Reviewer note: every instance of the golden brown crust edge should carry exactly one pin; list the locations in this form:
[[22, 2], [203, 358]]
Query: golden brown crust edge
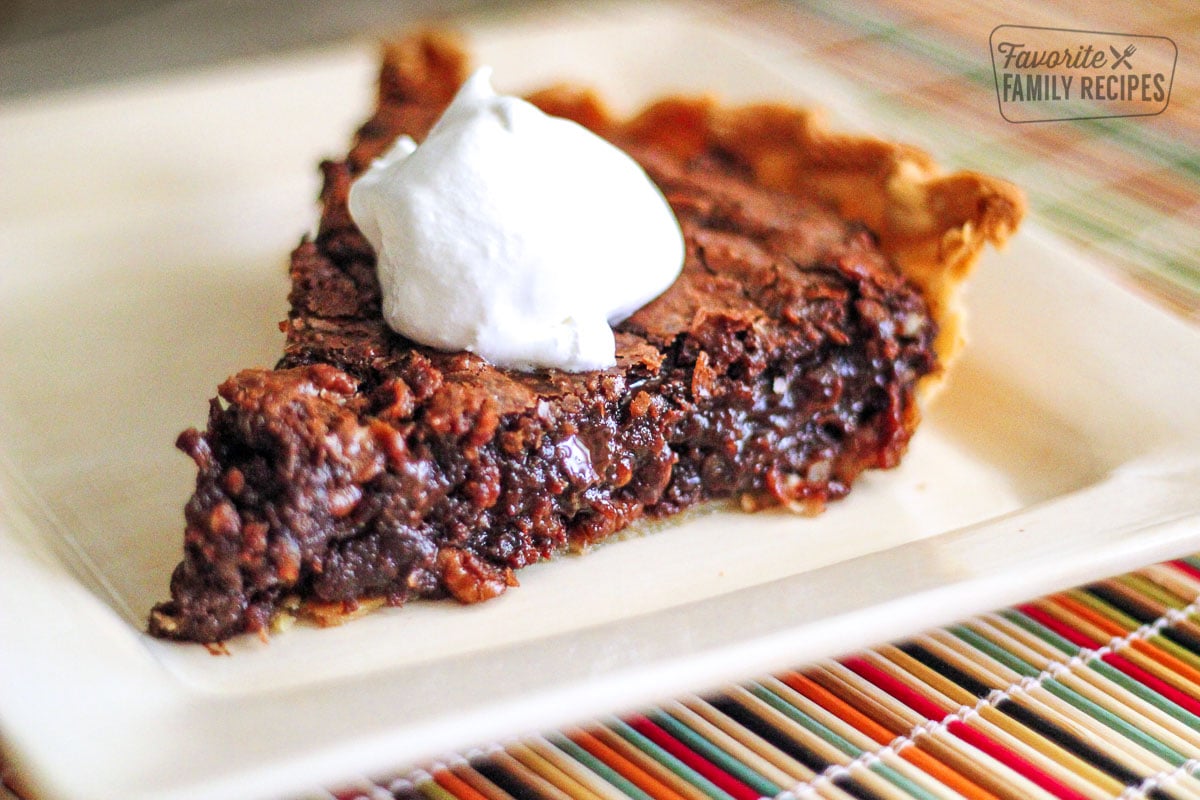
[[933, 224]]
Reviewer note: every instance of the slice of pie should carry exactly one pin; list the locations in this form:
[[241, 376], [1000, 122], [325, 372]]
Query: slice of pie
[[816, 308]]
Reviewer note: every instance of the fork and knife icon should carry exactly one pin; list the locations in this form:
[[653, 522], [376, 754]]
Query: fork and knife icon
[[1122, 58]]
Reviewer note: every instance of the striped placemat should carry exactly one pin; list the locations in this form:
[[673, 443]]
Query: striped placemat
[[1093, 692], [1090, 693]]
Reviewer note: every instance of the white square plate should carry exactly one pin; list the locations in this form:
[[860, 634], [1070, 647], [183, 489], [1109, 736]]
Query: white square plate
[[144, 232]]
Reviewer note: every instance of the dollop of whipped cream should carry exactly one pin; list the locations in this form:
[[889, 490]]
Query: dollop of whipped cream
[[515, 235]]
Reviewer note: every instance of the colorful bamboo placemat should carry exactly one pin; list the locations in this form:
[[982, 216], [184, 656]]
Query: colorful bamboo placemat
[[1090, 693]]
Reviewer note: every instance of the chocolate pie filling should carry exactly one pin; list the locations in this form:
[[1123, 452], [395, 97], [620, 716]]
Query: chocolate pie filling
[[781, 364]]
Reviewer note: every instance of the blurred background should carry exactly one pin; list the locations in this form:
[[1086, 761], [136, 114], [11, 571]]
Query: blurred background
[[58, 44]]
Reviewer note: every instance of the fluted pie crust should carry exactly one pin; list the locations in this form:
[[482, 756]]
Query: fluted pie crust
[[817, 308]]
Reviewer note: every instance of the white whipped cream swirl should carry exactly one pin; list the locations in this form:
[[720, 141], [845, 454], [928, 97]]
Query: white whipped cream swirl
[[515, 235]]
